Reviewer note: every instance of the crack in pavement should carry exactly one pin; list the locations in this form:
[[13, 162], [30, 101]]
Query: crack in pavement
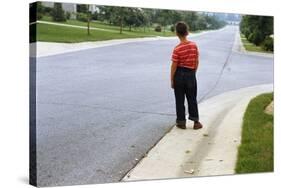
[[220, 74]]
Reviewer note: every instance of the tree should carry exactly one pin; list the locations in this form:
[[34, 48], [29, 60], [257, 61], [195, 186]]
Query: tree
[[144, 19], [133, 18], [139, 17], [201, 23], [84, 14], [175, 16], [164, 18], [121, 13], [82, 8], [256, 28], [88, 19], [40, 11], [58, 13], [115, 15], [190, 18], [214, 22]]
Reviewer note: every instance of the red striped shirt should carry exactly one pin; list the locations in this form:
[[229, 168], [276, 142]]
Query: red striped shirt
[[186, 55]]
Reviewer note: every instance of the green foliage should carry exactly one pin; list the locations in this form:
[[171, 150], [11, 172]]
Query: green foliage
[[136, 17], [201, 23], [40, 11], [95, 16], [82, 17], [47, 11], [58, 13], [82, 8], [67, 15], [164, 17], [268, 44], [158, 28], [256, 37], [124, 16], [172, 28], [213, 22], [257, 28], [190, 18]]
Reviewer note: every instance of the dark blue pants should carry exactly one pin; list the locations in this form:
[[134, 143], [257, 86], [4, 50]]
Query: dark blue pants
[[185, 86]]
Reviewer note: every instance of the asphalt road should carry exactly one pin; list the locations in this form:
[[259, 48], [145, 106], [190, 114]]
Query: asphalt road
[[100, 110]]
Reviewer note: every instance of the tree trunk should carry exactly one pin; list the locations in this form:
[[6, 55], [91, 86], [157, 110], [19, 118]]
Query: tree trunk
[[121, 25], [88, 24]]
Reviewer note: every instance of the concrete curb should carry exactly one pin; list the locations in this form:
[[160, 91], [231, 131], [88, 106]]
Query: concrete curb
[[209, 151]]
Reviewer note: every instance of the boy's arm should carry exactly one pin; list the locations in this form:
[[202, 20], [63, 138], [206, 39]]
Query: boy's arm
[[173, 71], [197, 64]]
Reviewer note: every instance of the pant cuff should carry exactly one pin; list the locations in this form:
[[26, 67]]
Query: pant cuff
[[181, 122], [193, 118]]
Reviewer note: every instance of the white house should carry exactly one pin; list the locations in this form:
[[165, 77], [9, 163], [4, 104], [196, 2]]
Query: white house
[[69, 7]]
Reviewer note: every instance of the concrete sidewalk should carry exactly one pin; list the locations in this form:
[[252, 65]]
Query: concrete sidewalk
[[209, 151]]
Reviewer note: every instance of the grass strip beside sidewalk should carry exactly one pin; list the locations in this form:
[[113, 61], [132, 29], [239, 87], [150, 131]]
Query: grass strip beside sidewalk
[[252, 47], [255, 153]]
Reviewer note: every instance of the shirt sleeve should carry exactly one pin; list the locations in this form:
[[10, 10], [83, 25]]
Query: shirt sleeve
[[175, 56]]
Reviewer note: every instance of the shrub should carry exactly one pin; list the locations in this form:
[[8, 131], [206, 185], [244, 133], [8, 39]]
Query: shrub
[[39, 13], [256, 37], [95, 16], [39, 16], [47, 11], [172, 28], [58, 13], [268, 44], [158, 28], [67, 15], [82, 17]]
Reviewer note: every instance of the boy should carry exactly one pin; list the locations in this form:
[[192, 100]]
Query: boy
[[183, 78]]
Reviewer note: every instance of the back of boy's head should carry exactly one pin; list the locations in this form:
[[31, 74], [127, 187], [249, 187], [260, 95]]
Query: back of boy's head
[[181, 29]]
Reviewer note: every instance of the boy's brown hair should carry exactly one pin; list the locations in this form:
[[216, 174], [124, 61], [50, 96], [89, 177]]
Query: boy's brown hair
[[182, 29]]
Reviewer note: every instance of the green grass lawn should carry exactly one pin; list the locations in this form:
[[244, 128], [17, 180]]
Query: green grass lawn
[[53, 33], [80, 23], [250, 46], [103, 25], [255, 153]]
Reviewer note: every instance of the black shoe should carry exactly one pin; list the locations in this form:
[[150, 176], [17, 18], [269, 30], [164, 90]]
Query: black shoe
[[181, 126]]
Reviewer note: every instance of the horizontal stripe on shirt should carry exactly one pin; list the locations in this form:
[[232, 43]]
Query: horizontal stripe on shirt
[[186, 54]]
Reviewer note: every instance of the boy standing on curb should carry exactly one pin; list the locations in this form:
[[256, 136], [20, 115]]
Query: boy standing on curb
[[183, 77]]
